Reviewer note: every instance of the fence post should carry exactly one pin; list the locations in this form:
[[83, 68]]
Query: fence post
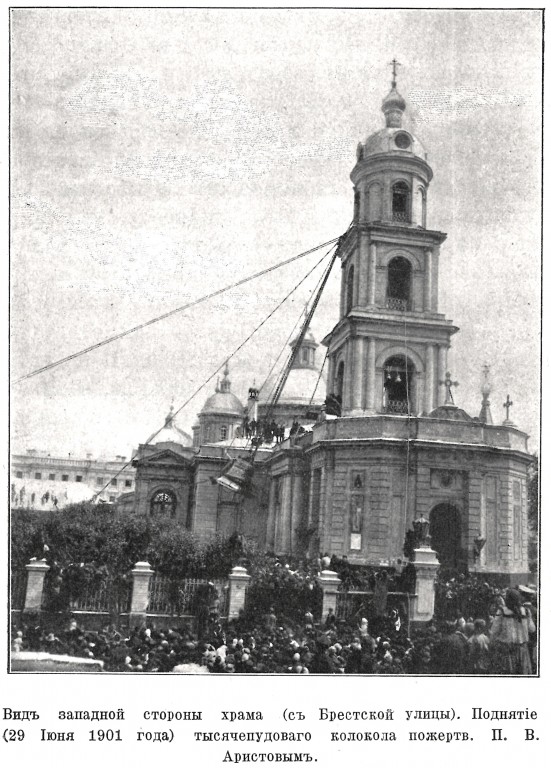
[[141, 576], [329, 582], [239, 581], [36, 572], [426, 565]]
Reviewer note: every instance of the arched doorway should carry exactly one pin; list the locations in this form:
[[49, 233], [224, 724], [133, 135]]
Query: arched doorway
[[445, 533]]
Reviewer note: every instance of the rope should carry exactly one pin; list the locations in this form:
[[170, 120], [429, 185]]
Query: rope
[[157, 319], [218, 369]]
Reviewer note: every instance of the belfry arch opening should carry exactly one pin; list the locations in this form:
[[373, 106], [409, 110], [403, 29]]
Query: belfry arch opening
[[399, 284], [445, 533], [401, 202], [398, 385]]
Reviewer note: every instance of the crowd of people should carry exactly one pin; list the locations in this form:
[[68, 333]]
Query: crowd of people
[[505, 645]]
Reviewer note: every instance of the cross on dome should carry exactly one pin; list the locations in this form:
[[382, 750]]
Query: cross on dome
[[394, 63]]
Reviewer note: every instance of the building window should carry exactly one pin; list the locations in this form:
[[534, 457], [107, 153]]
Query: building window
[[114, 482], [99, 481], [19, 475], [399, 284], [128, 483], [38, 475], [349, 291], [112, 498], [78, 478], [51, 477], [398, 374], [223, 433], [163, 503], [400, 202], [65, 478], [305, 355]]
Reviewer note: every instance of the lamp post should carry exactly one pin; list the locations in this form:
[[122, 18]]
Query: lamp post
[[421, 528]]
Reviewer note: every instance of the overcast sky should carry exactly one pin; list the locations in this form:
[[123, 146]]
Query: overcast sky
[[160, 154]]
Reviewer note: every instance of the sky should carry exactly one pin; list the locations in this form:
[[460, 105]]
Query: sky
[[157, 155]]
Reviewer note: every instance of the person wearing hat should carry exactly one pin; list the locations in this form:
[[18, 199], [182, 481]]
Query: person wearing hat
[[509, 635]]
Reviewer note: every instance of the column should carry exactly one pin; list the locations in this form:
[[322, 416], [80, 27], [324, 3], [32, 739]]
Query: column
[[428, 280], [357, 373], [36, 572], [372, 273], [346, 388], [141, 576], [343, 290], [442, 363], [296, 509], [283, 540], [238, 584], [371, 383], [426, 564], [363, 269], [329, 583], [429, 378]]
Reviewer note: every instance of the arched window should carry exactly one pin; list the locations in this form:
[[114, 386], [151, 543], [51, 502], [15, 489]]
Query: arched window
[[399, 284], [163, 503], [223, 432], [339, 382], [401, 202], [349, 291], [398, 373]]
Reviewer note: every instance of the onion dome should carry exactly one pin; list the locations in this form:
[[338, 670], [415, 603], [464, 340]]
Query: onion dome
[[223, 402], [170, 433], [393, 107]]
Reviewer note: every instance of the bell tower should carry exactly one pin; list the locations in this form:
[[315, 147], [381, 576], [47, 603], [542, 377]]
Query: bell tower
[[388, 351]]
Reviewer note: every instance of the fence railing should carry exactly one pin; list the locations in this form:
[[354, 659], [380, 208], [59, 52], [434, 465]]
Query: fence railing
[[106, 597], [183, 597], [18, 589]]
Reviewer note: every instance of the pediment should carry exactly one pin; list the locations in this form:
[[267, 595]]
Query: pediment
[[165, 457]]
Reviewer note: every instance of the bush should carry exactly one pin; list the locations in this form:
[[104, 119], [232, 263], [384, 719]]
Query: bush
[[290, 592]]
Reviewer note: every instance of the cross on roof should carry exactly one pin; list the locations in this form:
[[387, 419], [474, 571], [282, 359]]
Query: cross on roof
[[394, 63], [507, 404], [448, 383]]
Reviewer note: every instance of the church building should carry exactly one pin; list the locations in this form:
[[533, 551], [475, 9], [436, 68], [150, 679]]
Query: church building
[[399, 449]]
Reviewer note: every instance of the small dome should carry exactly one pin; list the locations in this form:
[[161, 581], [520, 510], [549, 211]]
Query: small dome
[[223, 402], [393, 101], [392, 140], [170, 433], [450, 412]]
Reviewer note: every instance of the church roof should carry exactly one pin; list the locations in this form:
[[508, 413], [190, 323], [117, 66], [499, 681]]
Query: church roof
[[171, 433]]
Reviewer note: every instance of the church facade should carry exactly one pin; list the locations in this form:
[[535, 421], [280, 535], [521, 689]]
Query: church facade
[[399, 449]]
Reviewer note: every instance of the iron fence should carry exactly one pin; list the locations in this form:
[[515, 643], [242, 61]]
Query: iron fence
[[106, 597], [18, 589], [186, 597]]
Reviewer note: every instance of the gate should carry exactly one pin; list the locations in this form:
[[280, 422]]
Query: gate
[[354, 605]]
